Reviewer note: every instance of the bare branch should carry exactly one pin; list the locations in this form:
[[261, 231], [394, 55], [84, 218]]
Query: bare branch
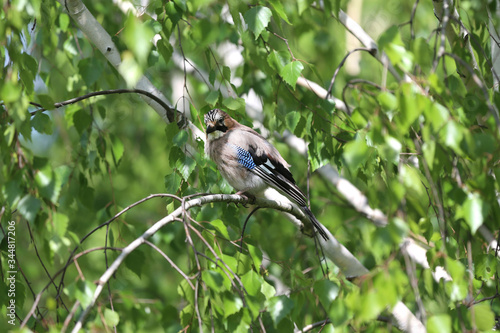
[[329, 91], [171, 263]]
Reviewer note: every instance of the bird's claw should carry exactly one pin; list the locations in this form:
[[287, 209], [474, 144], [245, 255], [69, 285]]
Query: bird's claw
[[248, 197]]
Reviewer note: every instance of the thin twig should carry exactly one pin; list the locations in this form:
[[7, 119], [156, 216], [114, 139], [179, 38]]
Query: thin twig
[[314, 325], [39, 295], [245, 225], [171, 263], [123, 211], [170, 111], [329, 91], [493, 109]]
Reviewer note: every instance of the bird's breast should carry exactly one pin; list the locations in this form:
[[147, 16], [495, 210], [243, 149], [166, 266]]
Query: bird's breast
[[238, 176]]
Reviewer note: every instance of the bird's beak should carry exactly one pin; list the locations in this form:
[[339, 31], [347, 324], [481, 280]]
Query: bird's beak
[[210, 129]]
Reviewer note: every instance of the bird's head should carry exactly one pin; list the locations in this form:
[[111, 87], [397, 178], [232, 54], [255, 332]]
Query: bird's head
[[218, 123]]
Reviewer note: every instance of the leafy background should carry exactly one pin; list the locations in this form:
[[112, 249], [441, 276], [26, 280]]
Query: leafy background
[[422, 150]]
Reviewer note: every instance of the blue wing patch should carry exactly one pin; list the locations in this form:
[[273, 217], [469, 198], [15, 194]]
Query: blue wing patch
[[244, 157]]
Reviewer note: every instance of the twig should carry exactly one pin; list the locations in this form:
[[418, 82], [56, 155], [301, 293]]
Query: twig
[[171, 263], [314, 325], [170, 111], [493, 109], [444, 22], [196, 307], [471, 287], [244, 227], [329, 91], [68, 318], [39, 295], [123, 211], [170, 218]]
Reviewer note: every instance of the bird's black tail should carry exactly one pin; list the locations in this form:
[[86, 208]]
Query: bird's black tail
[[317, 225]]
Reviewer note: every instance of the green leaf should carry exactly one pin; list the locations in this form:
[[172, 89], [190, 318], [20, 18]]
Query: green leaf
[[213, 280], [387, 100], [423, 53], [390, 41], [10, 92], [452, 136], [302, 5], [211, 76], [111, 317], [137, 36], [277, 60], [474, 211], [180, 139], [369, 306], [27, 79], [292, 119], [12, 191], [130, 69], [83, 291], [484, 144], [226, 73], [186, 167], [291, 72], [257, 19], [42, 123], [135, 261], [252, 282], [60, 223], [411, 179], [256, 255], [29, 206], [234, 103], [29, 63], [232, 304], [278, 7], [91, 69], [268, 290], [411, 105], [457, 288], [172, 182], [437, 115], [117, 149], [483, 316], [429, 149], [220, 227], [63, 21], [339, 312], [101, 146], [182, 4], [485, 266], [356, 152], [279, 307], [81, 120], [165, 49], [439, 324], [327, 291], [212, 97]]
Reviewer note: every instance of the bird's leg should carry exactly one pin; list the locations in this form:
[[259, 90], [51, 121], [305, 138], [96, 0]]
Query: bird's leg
[[249, 197]]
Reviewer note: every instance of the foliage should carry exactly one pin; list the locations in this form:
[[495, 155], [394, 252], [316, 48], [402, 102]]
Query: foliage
[[419, 138]]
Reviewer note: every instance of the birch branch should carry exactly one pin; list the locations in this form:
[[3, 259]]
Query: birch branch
[[355, 29], [333, 249], [495, 47], [346, 262], [100, 38]]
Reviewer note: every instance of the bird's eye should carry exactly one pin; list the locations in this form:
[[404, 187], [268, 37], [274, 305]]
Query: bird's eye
[[221, 120]]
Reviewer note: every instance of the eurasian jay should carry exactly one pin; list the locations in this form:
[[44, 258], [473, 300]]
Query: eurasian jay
[[250, 163]]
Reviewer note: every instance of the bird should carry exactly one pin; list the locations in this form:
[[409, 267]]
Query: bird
[[250, 163]]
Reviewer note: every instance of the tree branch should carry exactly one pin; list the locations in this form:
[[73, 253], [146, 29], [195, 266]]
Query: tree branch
[[87, 23]]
